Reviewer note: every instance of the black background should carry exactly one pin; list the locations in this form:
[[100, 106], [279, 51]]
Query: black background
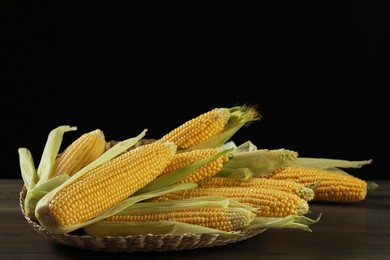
[[316, 72]]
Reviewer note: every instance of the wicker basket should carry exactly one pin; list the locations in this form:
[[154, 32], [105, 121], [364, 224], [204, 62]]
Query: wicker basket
[[137, 243]]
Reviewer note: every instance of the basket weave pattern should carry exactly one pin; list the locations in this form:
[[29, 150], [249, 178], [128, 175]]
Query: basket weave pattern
[[138, 243]]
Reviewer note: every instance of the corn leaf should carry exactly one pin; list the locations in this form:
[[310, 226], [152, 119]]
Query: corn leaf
[[51, 150], [239, 173], [228, 145], [291, 221], [181, 204], [328, 163], [371, 187], [27, 168]]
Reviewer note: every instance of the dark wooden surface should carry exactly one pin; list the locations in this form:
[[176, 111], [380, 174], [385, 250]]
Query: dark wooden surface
[[345, 231]]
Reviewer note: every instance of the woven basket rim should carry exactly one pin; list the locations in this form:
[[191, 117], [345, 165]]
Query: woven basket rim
[[137, 243]]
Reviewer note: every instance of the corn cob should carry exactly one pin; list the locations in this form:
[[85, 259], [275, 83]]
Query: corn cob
[[260, 162], [270, 202], [199, 129], [331, 186], [79, 153], [301, 190], [221, 218], [104, 186], [211, 124], [182, 159]]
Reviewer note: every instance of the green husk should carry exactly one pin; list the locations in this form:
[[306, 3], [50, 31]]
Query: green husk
[[228, 145], [247, 146], [328, 163], [37, 181], [180, 174], [246, 160], [239, 173], [291, 221], [51, 150], [27, 168], [180, 204], [260, 162], [371, 187], [239, 117]]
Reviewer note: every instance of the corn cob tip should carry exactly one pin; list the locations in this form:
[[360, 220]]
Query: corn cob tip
[[98, 132], [248, 113], [171, 146], [43, 216], [199, 129], [240, 217], [302, 207], [224, 114]]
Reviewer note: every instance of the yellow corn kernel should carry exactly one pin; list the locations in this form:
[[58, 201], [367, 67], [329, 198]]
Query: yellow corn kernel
[[284, 154], [182, 159], [108, 184], [79, 153], [331, 186], [301, 190], [221, 218], [270, 202], [199, 129]]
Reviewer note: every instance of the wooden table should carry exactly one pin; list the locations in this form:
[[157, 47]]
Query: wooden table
[[345, 231]]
